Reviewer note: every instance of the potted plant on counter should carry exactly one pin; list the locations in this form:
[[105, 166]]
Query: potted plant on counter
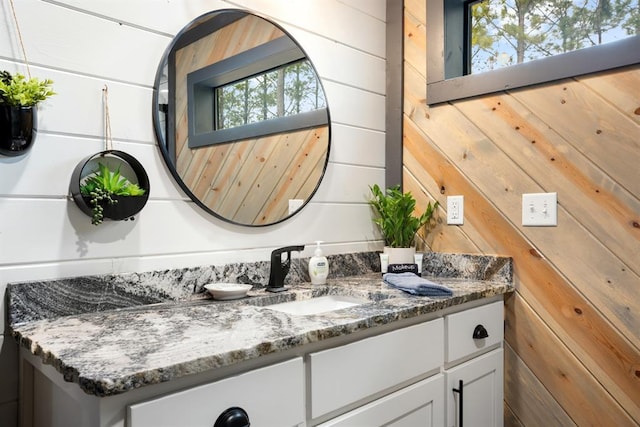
[[394, 212], [111, 195], [18, 99]]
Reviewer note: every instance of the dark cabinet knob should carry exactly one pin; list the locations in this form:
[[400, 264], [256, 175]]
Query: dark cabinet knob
[[480, 332], [233, 417]]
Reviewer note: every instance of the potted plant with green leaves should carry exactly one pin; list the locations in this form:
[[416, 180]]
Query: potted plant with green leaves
[[394, 215], [111, 195], [18, 99]]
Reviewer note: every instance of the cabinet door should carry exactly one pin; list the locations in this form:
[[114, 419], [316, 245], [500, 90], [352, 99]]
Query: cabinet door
[[271, 396], [420, 404], [481, 392]]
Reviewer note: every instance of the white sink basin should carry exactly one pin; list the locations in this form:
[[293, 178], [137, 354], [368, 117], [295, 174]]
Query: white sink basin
[[317, 305]]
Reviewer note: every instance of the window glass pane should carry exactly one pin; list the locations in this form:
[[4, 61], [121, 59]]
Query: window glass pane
[[508, 32], [286, 91]]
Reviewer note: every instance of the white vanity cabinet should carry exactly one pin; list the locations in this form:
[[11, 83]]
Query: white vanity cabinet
[[463, 347], [480, 383], [349, 374], [270, 396], [474, 367]]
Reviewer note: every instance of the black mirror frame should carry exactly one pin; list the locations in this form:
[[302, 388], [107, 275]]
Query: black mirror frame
[[175, 43]]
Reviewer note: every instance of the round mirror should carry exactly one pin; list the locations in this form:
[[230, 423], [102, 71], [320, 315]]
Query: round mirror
[[241, 118]]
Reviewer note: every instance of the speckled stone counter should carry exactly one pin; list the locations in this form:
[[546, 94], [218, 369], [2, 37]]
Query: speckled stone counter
[[139, 332]]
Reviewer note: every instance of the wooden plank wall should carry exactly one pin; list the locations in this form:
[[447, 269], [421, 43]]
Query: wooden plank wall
[[573, 325]]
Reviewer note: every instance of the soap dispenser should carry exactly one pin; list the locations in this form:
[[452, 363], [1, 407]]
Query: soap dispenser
[[318, 266]]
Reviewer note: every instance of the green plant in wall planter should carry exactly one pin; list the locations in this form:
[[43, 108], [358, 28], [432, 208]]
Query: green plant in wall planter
[[18, 91], [394, 215], [18, 99], [106, 188]]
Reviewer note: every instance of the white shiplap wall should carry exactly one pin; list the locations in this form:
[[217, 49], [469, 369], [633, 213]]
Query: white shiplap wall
[[84, 45]]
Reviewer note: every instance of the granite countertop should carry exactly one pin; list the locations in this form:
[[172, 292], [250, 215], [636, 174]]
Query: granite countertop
[[112, 351]]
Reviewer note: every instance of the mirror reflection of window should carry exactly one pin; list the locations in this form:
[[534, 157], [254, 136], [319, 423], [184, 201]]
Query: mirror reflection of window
[[508, 32], [267, 89], [286, 91]]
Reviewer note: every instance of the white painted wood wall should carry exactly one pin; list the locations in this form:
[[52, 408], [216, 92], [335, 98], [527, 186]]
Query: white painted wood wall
[[85, 45]]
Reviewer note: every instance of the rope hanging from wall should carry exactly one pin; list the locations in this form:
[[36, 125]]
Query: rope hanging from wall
[[108, 141], [24, 51]]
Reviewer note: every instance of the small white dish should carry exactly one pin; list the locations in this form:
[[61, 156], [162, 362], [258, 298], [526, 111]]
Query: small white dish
[[227, 291]]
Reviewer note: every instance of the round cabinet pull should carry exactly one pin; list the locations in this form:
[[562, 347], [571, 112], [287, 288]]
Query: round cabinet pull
[[233, 417], [480, 332]]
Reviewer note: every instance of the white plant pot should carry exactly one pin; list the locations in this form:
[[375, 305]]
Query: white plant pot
[[400, 255]]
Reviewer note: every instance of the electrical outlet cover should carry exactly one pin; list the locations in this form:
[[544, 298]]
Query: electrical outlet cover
[[455, 210], [294, 205], [540, 210]]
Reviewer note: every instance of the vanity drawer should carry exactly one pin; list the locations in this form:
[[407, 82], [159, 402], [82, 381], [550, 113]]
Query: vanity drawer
[[343, 375], [258, 392], [460, 328]]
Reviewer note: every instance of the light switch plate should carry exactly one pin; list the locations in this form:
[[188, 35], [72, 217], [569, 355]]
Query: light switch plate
[[540, 210], [455, 210]]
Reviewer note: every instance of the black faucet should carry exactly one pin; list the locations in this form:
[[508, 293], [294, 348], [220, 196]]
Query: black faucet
[[279, 268]]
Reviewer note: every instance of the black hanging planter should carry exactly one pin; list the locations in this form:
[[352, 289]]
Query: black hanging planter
[[125, 207], [16, 129]]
